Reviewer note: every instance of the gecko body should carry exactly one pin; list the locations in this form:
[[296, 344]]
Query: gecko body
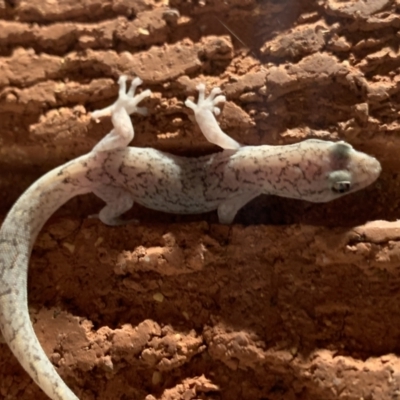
[[313, 170]]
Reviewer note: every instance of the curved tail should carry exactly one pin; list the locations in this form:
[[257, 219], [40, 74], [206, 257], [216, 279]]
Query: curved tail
[[17, 236]]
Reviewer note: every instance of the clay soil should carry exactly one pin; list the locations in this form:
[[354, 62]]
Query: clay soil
[[294, 300]]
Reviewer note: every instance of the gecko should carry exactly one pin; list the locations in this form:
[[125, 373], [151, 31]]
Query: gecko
[[312, 170]]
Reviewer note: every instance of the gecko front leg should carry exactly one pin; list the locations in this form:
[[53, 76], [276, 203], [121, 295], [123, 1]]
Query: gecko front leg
[[126, 104], [205, 111], [228, 209]]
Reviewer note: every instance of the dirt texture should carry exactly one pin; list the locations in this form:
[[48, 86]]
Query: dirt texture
[[294, 300]]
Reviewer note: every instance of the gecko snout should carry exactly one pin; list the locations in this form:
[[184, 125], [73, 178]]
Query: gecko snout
[[366, 169], [360, 170]]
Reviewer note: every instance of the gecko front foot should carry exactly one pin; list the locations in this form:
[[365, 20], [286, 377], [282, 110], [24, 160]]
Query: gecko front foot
[[126, 104], [205, 111], [207, 103]]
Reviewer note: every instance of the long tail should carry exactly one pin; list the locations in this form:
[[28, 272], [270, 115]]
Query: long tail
[[17, 236]]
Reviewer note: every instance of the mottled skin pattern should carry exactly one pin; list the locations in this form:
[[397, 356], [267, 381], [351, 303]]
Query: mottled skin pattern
[[313, 170]]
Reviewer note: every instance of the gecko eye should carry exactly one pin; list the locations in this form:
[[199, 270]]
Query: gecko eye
[[341, 187]]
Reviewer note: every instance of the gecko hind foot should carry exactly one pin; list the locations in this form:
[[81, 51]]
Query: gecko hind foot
[[127, 100], [117, 200], [133, 100], [113, 221], [126, 104]]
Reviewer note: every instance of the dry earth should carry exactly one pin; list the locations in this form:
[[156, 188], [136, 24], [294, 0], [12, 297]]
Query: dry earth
[[294, 300]]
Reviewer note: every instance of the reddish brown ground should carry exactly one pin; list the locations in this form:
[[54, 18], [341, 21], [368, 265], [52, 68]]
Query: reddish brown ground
[[294, 300]]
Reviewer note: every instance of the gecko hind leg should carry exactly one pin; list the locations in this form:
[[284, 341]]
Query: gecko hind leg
[[126, 104], [118, 201], [205, 111]]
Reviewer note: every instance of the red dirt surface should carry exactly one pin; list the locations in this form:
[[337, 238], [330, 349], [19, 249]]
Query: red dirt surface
[[294, 300]]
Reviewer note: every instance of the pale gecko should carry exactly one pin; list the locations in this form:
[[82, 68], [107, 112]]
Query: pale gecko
[[312, 170]]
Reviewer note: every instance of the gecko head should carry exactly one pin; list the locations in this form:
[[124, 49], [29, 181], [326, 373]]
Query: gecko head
[[343, 170]]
